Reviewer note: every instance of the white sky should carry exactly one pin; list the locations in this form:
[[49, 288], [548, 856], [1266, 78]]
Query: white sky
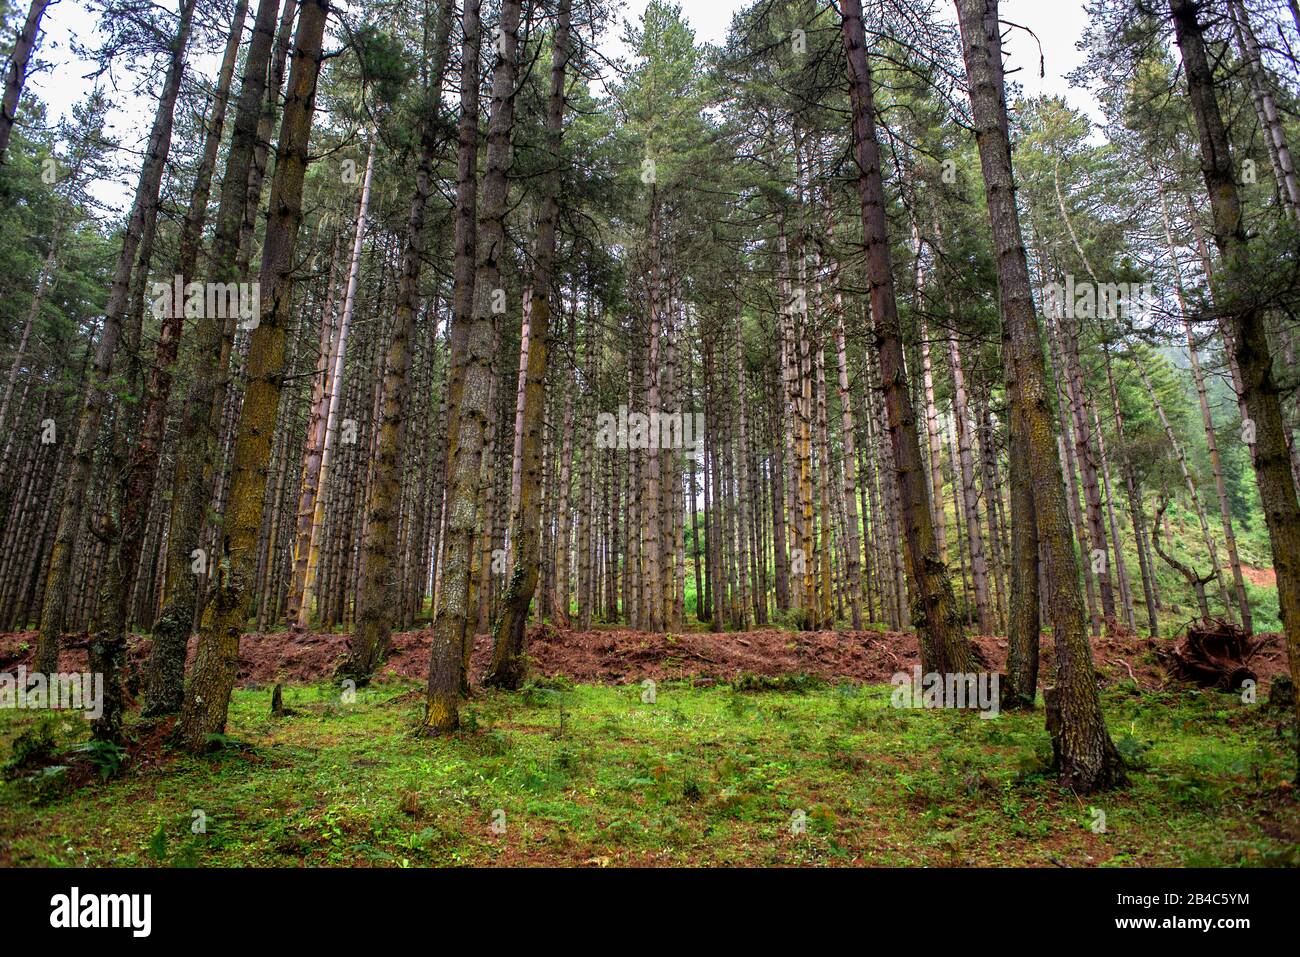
[[1058, 24]]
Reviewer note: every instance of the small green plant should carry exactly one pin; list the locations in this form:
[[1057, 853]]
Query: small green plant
[[794, 684], [158, 844], [32, 749], [553, 683], [216, 741], [562, 730], [107, 757], [1132, 750], [566, 760], [538, 696]]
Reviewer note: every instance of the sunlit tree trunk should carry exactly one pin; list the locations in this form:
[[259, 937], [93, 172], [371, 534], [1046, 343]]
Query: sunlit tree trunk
[[207, 695], [328, 450]]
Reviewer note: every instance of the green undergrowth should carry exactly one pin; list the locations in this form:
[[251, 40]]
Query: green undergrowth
[[790, 771]]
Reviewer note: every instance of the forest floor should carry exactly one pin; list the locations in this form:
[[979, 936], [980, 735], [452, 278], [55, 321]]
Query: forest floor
[[761, 748], [612, 655]]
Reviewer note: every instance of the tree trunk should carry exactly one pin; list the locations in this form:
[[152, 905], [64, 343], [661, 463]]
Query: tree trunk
[[165, 672], [144, 208], [852, 545], [1137, 516], [379, 596], [1194, 581], [509, 644], [1206, 536], [1087, 758], [162, 694], [931, 409], [588, 524], [1284, 170], [207, 696], [1211, 442], [470, 411], [314, 442], [1277, 490], [970, 494], [16, 74], [311, 581], [943, 648]]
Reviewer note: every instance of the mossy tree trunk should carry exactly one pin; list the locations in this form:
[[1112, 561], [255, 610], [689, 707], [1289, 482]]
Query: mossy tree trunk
[[1087, 758], [207, 695], [469, 411], [165, 672]]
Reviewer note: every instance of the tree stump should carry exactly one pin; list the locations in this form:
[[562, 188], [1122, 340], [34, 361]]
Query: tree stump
[[1213, 654], [278, 710]]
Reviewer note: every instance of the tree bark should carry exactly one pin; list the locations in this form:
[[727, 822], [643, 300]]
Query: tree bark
[[1245, 320], [1087, 759], [943, 648], [16, 73], [207, 696], [144, 208]]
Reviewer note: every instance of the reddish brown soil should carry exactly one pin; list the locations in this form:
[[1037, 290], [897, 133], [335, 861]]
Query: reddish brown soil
[[1264, 577], [620, 656]]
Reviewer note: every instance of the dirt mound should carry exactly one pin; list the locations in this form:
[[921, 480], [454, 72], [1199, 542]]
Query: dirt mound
[[1263, 577], [623, 656]]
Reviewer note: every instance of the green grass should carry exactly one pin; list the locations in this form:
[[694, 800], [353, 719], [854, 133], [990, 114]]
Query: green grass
[[592, 775]]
